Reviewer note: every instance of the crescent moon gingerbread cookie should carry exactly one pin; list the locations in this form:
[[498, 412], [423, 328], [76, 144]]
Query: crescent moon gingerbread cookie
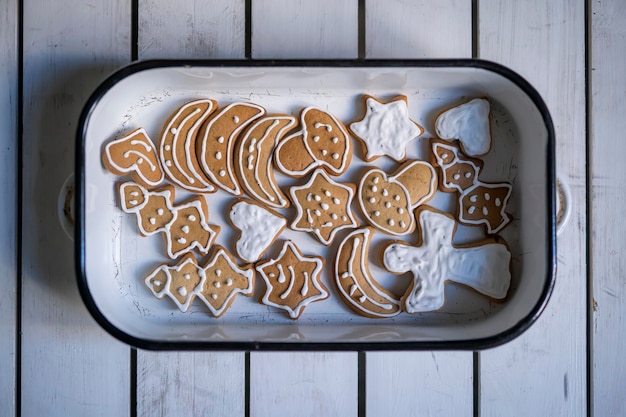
[[134, 154], [216, 143], [357, 287], [177, 148]]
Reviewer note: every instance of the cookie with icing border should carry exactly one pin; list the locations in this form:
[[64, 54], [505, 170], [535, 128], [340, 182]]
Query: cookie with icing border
[[456, 171], [134, 154], [177, 147], [154, 208], [484, 266], [322, 142], [485, 204], [216, 142], [387, 201], [323, 206], [254, 154], [357, 287], [258, 228], [190, 229], [386, 128], [225, 279], [292, 280], [469, 123]]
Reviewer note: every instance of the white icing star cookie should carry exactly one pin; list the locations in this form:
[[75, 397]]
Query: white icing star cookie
[[386, 128]]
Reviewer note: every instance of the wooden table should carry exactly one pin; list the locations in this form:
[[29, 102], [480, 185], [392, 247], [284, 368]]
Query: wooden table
[[56, 361]]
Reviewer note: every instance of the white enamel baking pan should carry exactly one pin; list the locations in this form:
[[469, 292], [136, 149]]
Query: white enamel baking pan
[[112, 258]]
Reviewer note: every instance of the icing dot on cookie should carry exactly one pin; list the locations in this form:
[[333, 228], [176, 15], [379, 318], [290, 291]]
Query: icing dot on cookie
[[485, 211], [271, 275], [444, 156], [133, 202], [336, 200], [229, 282], [473, 199], [160, 212], [374, 188], [187, 276], [134, 193], [362, 298], [218, 155], [325, 206], [309, 197], [139, 160], [324, 152], [182, 291], [181, 240], [456, 176], [250, 160], [185, 229], [317, 197], [317, 212], [168, 163], [220, 139], [335, 156], [235, 119], [191, 218], [377, 213], [372, 200], [376, 179], [214, 296], [327, 193], [157, 283], [316, 138], [391, 222], [167, 147], [402, 224], [222, 173], [333, 216], [217, 284], [344, 218], [218, 272], [468, 174], [385, 192], [334, 140], [400, 210], [471, 210], [487, 196], [387, 204], [174, 130], [152, 220], [396, 197], [498, 202]]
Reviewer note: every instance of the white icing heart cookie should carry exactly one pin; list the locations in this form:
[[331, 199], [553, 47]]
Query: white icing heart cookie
[[483, 266], [386, 128], [469, 123]]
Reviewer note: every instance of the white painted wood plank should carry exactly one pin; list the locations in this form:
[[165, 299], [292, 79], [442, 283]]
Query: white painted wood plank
[[190, 383], [70, 366], [303, 384], [419, 383], [8, 201], [191, 29], [209, 383], [322, 383], [304, 29], [607, 229], [543, 372], [418, 29]]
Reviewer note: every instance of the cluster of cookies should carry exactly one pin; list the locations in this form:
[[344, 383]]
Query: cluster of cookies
[[204, 148]]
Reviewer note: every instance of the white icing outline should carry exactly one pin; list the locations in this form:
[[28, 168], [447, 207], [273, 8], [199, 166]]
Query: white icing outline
[[167, 290], [393, 180], [247, 273], [281, 201], [165, 193], [194, 243], [370, 282], [258, 226], [317, 163], [300, 212], [454, 161], [380, 141], [437, 261], [469, 123], [314, 277], [504, 218], [135, 167], [230, 143], [189, 145]]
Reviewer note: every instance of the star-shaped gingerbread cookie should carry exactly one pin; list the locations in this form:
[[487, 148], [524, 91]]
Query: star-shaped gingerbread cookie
[[292, 280], [323, 206], [386, 128]]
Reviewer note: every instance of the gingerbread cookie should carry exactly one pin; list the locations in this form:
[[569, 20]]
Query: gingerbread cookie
[[469, 123], [258, 228], [483, 266], [323, 206], [456, 171], [154, 209], [177, 148], [216, 142], [485, 204], [224, 280], [357, 287], [134, 154], [386, 128], [387, 202], [323, 142], [292, 280], [181, 283], [190, 229], [254, 153]]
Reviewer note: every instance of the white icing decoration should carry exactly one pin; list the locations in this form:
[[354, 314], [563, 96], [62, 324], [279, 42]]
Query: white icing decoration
[[235, 119], [386, 129], [220, 139], [208, 233], [182, 291], [154, 285], [469, 123], [485, 268], [294, 312], [152, 220], [325, 206], [328, 128], [218, 155], [185, 229], [181, 240], [471, 209], [218, 272], [456, 159], [217, 284], [387, 303], [160, 211], [503, 219], [149, 156], [191, 218], [222, 173], [214, 296], [229, 282], [136, 208], [258, 227], [167, 147]]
